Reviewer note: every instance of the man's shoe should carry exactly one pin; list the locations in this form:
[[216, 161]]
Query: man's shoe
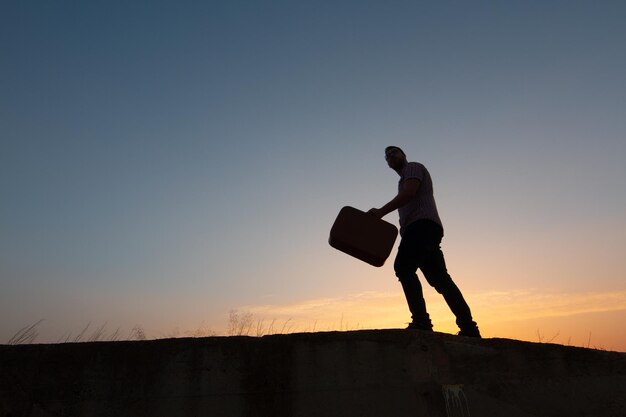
[[470, 332]]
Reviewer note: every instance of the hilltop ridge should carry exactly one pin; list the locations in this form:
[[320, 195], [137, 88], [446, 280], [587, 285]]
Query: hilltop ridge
[[354, 373]]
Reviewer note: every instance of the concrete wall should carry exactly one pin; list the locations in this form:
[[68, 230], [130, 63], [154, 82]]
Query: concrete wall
[[362, 373]]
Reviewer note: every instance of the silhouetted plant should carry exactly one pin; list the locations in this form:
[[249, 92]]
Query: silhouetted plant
[[115, 335], [286, 328], [541, 338], [239, 324], [98, 334], [80, 335], [25, 335], [202, 331], [137, 333]]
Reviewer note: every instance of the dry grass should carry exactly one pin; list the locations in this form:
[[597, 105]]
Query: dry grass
[[25, 335], [239, 324], [28, 335], [542, 339]]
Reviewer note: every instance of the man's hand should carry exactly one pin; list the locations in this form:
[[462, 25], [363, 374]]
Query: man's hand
[[409, 189], [378, 213]]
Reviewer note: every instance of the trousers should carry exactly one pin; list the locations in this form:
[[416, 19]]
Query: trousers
[[420, 249]]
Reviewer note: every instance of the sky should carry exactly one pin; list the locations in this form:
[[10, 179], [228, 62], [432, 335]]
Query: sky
[[177, 166]]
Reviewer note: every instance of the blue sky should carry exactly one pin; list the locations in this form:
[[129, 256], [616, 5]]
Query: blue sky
[[163, 163]]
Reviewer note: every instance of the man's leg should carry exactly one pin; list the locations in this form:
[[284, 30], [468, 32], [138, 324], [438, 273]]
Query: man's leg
[[434, 268], [436, 273], [407, 261]]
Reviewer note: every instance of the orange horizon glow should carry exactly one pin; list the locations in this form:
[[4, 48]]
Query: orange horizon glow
[[589, 320], [569, 319]]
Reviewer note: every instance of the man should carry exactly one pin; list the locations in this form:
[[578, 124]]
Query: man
[[421, 231]]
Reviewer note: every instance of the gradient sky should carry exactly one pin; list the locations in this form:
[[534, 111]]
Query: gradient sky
[[164, 163]]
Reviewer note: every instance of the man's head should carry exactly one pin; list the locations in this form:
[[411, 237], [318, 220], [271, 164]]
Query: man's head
[[395, 157]]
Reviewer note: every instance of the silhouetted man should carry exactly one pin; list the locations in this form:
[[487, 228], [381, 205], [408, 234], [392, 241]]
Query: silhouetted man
[[421, 231]]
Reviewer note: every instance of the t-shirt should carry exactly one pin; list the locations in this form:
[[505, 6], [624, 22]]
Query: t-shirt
[[422, 206]]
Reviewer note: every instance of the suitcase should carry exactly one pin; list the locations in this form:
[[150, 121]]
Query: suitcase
[[363, 236]]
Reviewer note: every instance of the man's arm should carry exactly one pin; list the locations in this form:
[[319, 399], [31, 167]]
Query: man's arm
[[409, 189]]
